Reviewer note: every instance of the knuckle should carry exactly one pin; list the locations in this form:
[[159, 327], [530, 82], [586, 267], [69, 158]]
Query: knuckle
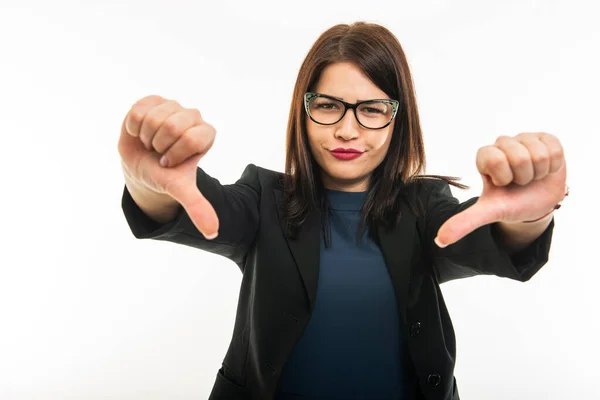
[[190, 141], [522, 161], [152, 121], [206, 138], [496, 161], [483, 154], [153, 98], [148, 102], [145, 138], [168, 132], [502, 139], [209, 132], [526, 135], [540, 158], [556, 152], [170, 126], [171, 105], [195, 114], [136, 115], [211, 140], [211, 129]]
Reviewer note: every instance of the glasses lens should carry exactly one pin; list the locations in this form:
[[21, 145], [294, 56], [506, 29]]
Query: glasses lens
[[324, 110], [375, 114]]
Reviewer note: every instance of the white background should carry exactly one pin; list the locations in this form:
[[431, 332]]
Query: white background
[[89, 312]]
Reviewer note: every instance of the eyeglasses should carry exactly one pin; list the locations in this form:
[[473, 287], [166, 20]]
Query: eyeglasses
[[371, 114]]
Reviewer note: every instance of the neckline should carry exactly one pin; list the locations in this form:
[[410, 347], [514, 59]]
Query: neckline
[[345, 201]]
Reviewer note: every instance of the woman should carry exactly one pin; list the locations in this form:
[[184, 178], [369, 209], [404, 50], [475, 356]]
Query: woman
[[342, 256]]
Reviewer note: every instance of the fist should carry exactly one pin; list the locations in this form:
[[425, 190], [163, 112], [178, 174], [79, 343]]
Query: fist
[[160, 145], [524, 177], [521, 159], [166, 127]]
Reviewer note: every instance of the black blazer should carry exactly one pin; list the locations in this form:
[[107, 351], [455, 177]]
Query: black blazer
[[279, 282]]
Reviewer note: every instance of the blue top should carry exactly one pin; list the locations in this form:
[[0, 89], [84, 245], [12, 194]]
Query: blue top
[[352, 347]]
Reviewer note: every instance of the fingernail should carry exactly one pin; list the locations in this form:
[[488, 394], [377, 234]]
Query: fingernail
[[212, 236], [439, 243], [164, 161]]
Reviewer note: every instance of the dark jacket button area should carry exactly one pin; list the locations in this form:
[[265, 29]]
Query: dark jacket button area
[[415, 329], [290, 316], [271, 369], [434, 380]]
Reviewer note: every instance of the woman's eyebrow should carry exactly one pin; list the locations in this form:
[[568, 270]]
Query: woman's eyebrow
[[357, 101], [333, 97], [342, 99]]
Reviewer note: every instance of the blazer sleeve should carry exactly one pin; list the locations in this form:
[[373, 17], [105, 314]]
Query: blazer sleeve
[[481, 252], [236, 205]]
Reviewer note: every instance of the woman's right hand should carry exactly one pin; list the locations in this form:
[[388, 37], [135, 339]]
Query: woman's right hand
[[156, 128]]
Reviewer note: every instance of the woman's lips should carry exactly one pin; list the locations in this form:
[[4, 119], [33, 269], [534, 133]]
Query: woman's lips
[[346, 154]]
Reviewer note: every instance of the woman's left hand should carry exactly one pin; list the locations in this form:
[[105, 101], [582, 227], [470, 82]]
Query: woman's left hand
[[524, 177]]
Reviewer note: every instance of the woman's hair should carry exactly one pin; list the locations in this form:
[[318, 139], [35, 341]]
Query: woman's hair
[[377, 52]]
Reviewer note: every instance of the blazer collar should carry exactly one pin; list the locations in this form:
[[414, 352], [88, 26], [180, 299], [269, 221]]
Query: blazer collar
[[396, 245]]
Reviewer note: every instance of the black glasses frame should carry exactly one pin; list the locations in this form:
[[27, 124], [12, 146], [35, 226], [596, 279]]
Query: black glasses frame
[[308, 96]]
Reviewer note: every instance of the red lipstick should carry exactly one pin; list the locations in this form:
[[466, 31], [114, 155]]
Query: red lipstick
[[345, 154]]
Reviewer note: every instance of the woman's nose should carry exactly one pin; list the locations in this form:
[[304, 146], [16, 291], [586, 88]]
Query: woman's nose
[[348, 127]]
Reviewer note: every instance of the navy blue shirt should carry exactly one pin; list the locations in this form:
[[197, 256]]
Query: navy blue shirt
[[352, 347]]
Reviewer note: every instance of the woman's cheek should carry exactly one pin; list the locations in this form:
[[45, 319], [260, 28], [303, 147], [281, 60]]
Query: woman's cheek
[[380, 142]]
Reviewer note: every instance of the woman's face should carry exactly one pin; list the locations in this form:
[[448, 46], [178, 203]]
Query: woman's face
[[348, 83]]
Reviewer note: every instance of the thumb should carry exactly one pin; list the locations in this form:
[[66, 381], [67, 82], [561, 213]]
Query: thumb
[[200, 211], [197, 207], [465, 222]]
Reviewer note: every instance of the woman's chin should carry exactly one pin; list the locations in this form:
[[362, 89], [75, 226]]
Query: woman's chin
[[344, 178]]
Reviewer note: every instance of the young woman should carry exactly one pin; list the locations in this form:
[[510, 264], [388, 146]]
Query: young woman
[[343, 254]]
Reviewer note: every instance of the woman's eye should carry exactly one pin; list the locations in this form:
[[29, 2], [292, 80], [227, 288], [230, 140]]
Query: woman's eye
[[327, 106]]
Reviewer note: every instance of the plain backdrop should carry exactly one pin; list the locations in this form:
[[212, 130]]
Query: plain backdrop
[[89, 312]]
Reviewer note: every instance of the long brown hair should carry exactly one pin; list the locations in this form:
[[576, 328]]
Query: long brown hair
[[378, 53]]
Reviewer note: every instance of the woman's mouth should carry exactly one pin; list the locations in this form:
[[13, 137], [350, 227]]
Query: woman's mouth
[[346, 154]]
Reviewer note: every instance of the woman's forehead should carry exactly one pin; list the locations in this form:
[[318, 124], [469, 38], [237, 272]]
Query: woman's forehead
[[347, 82]]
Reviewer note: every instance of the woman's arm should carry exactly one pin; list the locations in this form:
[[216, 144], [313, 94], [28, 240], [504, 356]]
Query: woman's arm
[[518, 235], [161, 208], [236, 205], [483, 251]]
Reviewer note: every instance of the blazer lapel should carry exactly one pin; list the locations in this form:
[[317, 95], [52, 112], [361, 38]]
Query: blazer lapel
[[396, 246], [305, 248]]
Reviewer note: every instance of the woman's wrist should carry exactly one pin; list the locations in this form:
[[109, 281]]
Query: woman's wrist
[[556, 207]]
